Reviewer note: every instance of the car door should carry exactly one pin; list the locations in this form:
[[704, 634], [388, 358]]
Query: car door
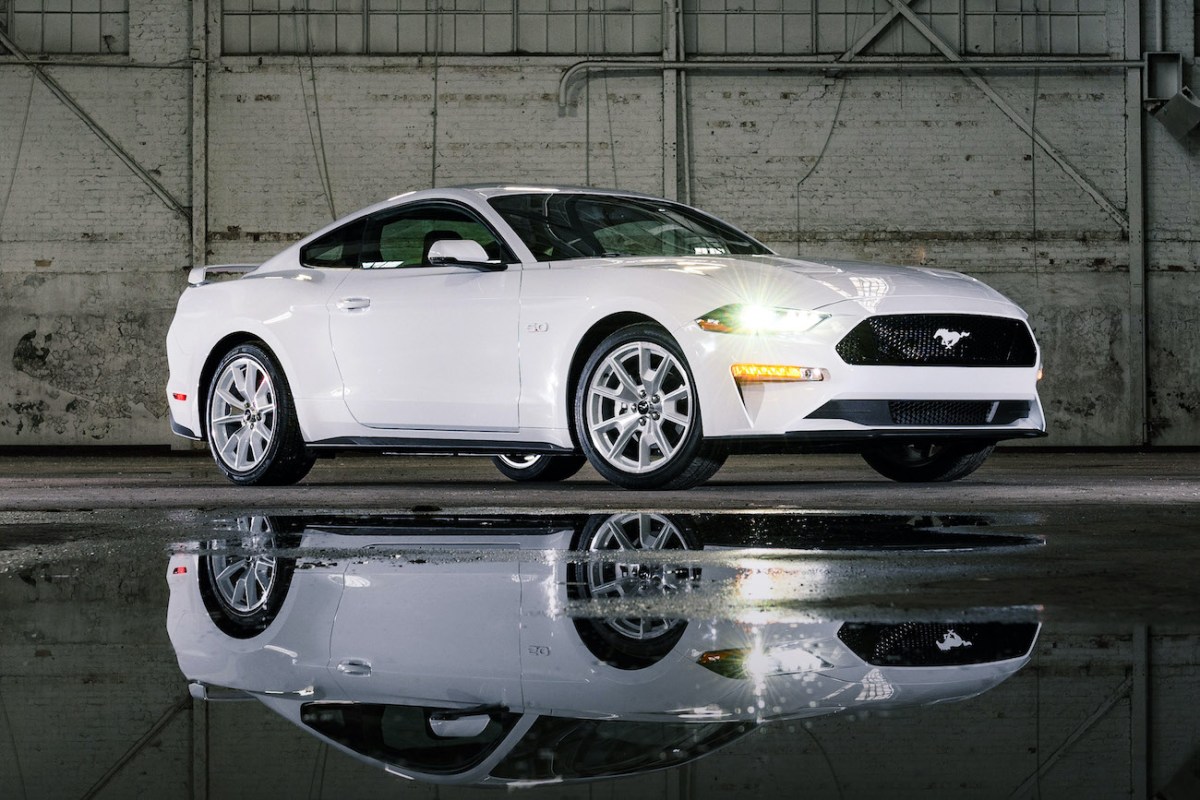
[[422, 627], [425, 347]]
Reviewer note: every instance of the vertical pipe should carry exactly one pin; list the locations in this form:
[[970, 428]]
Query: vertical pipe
[[1139, 379], [670, 103], [670, 132], [1139, 715], [1160, 25], [199, 741], [684, 153], [199, 120]]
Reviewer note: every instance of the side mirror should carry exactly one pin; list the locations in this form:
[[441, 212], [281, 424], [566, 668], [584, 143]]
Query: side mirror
[[459, 727], [461, 253]]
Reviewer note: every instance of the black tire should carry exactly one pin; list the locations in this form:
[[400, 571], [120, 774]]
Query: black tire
[[242, 580], [234, 421], [531, 468], [646, 403], [928, 462], [630, 643]]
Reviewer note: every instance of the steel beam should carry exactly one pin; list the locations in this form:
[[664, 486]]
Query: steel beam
[[953, 55], [1135, 193], [146, 738], [879, 27], [1117, 696], [199, 55], [103, 135]]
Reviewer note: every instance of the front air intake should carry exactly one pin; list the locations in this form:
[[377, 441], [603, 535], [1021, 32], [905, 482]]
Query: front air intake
[[939, 340], [938, 644]]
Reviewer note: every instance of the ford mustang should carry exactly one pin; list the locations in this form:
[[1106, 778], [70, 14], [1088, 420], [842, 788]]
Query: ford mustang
[[553, 327]]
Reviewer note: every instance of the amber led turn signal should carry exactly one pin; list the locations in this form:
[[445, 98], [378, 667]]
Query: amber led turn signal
[[774, 373]]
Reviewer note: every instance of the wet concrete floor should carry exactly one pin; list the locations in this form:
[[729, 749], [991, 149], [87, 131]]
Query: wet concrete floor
[[796, 625]]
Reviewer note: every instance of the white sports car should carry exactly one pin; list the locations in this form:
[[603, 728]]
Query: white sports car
[[549, 326]]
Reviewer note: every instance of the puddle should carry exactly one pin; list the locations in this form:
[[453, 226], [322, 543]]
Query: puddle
[[699, 655]]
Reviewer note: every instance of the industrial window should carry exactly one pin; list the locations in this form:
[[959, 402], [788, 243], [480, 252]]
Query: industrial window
[[971, 27], [70, 26], [1035, 27], [388, 27], [635, 27]]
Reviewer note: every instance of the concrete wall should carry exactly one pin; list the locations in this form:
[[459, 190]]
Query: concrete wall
[[916, 169]]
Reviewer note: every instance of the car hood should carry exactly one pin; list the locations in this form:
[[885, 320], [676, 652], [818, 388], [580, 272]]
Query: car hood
[[778, 280]]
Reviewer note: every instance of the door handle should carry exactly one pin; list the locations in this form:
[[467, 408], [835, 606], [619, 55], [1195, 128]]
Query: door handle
[[355, 667], [354, 303]]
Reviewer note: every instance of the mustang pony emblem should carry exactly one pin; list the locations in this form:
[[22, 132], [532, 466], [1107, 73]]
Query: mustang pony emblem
[[949, 338], [952, 640]]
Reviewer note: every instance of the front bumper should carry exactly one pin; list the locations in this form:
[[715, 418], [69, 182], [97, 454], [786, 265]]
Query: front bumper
[[854, 404]]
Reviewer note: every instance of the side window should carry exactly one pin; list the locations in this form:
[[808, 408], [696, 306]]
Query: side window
[[403, 238], [338, 248]]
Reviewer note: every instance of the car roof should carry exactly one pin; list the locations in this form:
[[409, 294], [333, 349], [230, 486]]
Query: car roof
[[488, 190]]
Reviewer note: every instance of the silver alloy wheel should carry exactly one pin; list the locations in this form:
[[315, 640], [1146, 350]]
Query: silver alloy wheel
[[244, 580], [520, 462], [639, 407], [241, 413], [631, 580]]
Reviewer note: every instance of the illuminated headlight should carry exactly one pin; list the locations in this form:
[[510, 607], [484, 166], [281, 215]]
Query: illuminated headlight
[[743, 318], [756, 663]]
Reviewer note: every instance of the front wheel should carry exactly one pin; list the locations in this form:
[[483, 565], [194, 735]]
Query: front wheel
[[912, 462], [532, 468], [253, 432], [629, 559], [637, 413]]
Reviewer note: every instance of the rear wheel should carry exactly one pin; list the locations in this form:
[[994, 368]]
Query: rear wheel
[[637, 413], [243, 581], [253, 432], [928, 462], [534, 468]]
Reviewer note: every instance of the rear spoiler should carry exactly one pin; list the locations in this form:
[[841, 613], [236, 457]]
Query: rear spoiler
[[198, 276]]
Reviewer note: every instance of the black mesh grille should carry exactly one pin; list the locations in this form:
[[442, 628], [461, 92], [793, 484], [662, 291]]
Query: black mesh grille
[[940, 412], [950, 340], [937, 644]]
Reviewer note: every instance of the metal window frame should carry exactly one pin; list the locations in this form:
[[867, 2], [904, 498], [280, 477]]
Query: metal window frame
[[72, 14], [438, 34]]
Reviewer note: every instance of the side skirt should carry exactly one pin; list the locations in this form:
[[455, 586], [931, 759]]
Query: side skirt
[[429, 446]]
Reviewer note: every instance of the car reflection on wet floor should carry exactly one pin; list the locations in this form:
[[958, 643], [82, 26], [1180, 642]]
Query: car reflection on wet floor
[[795, 652], [436, 648]]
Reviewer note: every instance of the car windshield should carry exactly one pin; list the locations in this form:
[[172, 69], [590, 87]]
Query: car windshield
[[401, 735], [575, 749], [557, 226]]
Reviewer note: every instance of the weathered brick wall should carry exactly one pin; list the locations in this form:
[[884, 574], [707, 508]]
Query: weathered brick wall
[[918, 169], [90, 258]]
